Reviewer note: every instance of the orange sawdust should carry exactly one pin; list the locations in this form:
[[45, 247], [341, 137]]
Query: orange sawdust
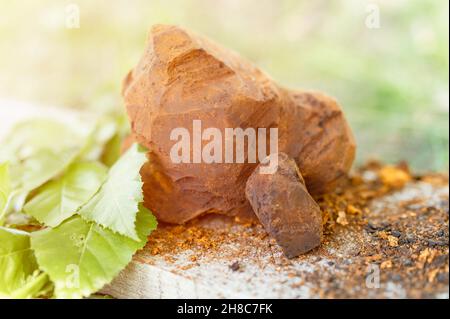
[[410, 244]]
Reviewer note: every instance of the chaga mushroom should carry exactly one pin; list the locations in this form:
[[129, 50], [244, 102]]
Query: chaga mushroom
[[184, 77], [285, 208]]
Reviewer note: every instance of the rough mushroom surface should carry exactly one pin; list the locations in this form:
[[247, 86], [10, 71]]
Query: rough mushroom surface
[[183, 77]]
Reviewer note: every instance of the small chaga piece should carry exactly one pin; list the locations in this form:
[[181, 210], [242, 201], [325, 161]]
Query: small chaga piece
[[285, 208], [184, 77], [394, 177]]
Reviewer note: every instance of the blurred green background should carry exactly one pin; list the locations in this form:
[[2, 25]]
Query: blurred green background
[[392, 81]]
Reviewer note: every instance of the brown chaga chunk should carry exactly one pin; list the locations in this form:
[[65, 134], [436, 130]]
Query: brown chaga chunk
[[285, 208], [183, 77], [314, 132]]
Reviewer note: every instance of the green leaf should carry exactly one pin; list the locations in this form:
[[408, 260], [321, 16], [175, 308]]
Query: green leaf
[[5, 188], [30, 136], [105, 141], [59, 199], [41, 167], [36, 170], [38, 150], [104, 131], [116, 203], [19, 274], [36, 285], [112, 149], [80, 257], [5, 184]]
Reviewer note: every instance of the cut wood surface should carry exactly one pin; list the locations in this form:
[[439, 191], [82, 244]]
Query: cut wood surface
[[242, 262], [396, 248]]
